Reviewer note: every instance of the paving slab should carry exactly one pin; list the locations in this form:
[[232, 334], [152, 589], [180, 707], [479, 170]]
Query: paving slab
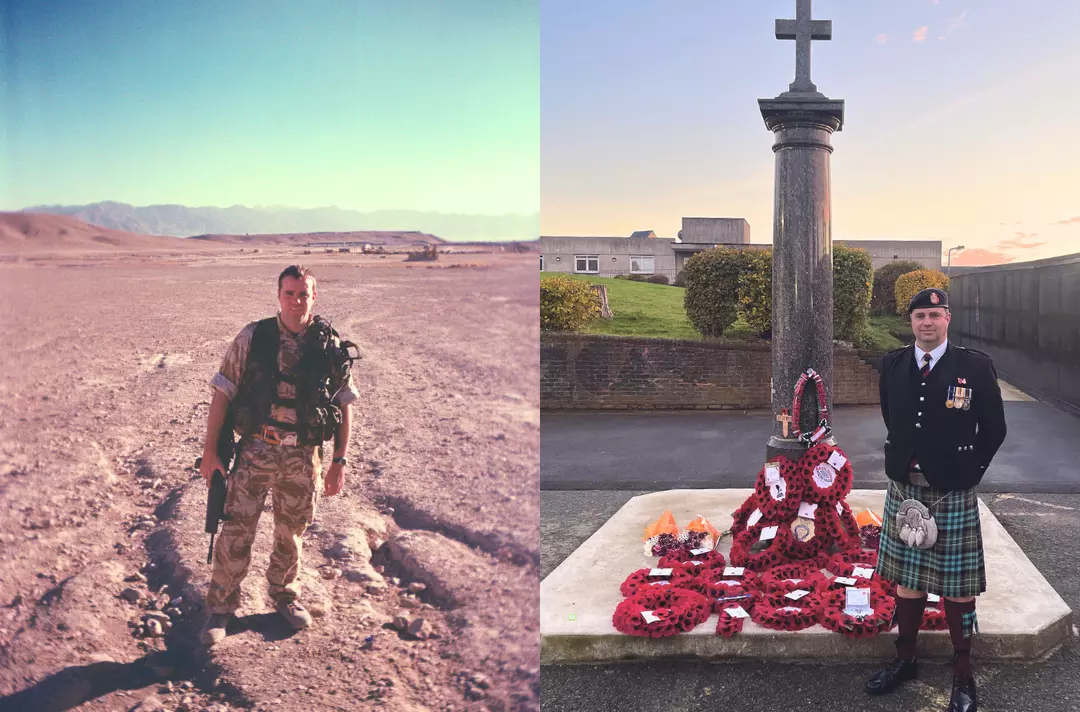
[[1021, 616]]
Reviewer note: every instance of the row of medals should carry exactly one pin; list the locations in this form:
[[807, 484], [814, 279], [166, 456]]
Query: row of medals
[[959, 398]]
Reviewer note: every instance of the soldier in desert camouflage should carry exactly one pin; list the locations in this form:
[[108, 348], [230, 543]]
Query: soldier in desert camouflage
[[286, 385]]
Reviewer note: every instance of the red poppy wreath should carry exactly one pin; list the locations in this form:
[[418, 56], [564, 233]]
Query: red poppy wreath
[[821, 481], [743, 513], [783, 613], [710, 559], [779, 500], [933, 618], [641, 579], [726, 593], [743, 554], [832, 614], [842, 527], [791, 577], [728, 625], [807, 541], [670, 612]]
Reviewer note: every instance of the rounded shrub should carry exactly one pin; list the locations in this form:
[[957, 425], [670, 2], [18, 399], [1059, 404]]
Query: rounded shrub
[[910, 284], [657, 279], [567, 304], [883, 300], [712, 284]]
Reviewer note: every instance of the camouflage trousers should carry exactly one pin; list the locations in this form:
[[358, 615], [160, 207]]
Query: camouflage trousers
[[294, 474]]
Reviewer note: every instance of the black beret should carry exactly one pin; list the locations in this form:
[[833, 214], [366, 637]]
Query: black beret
[[929, 298]]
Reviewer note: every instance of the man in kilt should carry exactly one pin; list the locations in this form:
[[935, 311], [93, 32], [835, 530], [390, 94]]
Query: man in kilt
[[945, 419]]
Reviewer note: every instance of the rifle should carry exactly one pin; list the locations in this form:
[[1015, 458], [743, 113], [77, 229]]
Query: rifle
[[215, 498]]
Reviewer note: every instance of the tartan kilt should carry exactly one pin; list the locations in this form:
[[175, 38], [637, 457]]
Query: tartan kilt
[[955, 565]]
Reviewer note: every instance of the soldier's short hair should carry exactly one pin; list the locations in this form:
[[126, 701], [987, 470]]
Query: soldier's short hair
[[297, 271]]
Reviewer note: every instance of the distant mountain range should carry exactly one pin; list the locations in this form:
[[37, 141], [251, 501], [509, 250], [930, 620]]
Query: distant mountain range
[[182, 221]]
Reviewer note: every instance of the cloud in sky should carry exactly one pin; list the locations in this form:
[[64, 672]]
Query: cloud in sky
[[1068, 222], [882, 38], [1018, 242], [920, 34], [954, 24], [979, 257]]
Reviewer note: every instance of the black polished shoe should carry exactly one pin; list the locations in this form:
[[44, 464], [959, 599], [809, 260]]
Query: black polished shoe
[[892, 675], [964, 697]]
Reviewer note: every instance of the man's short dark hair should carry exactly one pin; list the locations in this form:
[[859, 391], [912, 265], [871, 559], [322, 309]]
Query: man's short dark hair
[[297, 271]]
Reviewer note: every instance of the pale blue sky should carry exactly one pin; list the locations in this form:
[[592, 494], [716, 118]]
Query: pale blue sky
[[958, 118], [411, 104]]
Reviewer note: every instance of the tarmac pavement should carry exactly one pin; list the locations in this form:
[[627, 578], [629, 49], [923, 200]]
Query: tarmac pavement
[[657, 450]]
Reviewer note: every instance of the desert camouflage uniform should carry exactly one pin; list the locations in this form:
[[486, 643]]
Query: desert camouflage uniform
[[293, 473]]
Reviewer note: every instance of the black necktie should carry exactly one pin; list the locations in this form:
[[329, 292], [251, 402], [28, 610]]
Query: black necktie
[[926, 365]]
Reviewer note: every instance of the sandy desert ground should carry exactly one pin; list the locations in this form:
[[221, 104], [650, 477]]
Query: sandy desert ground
[[103, 404]]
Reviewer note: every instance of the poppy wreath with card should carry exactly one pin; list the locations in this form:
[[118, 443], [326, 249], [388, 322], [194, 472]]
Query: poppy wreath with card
[[838, 482], [679, 611], [791, 577], [641, 579], [742, 553], [933, 617], [843, 563], [785, 614], [710, 559], [728, 625], [832, 616], [687, 577], [819, 542], [779, 509], [742, 514], [726, 588]]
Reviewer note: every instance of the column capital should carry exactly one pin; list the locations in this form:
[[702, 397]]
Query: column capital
[[791, 109]]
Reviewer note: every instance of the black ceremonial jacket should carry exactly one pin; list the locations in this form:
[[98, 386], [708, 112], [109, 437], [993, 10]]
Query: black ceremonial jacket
[[953, 446]]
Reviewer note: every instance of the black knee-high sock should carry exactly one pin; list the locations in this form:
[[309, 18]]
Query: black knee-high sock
[[962, 623], [909, 613]]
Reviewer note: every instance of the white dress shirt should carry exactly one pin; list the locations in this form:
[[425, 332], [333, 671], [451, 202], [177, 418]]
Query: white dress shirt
[[935, 355]]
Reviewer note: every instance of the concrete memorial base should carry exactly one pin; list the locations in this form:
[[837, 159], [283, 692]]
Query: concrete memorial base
[[1021, 617]]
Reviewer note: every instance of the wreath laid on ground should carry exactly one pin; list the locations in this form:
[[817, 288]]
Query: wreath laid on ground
[[832, 616], [641, 579], [821, 482], [742, 553], [791, 577], [843, 563], [710, 559], [728, 625], [676, 610], [743, 513], [731, 590], [785, 507], [781, 613], [825, 524], [849, 533]]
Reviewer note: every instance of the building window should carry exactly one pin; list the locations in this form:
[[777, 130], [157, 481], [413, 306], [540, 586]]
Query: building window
[[541, 263], [644, 264], [589, 264]]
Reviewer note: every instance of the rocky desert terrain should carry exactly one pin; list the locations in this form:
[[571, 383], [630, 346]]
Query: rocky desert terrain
[[423, 574]]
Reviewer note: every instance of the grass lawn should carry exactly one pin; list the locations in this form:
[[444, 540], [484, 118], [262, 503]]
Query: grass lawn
[[643, 309], [656, 310]]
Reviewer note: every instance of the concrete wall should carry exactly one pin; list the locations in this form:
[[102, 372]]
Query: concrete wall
[[605, 372], [669, 256], [614, 253], [1027, 316], [882, 252], [715, 231]]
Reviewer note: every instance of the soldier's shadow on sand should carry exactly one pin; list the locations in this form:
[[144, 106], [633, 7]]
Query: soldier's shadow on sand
[[271, 626], [72, 686]]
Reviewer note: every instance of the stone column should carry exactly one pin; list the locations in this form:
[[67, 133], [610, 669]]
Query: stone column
[[802, 308]]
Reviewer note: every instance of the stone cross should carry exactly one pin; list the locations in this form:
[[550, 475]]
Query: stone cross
[[802, 29]]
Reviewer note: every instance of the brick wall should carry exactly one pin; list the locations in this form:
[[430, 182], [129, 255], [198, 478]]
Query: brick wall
[[602, 372]]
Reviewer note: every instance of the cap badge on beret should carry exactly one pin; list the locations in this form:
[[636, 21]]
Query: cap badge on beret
[[934, 298]]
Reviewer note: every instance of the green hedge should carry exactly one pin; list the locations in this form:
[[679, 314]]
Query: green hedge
[[755, 291], [853, 281]]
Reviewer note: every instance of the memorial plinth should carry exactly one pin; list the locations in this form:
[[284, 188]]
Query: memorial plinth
[[1021, 616]]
